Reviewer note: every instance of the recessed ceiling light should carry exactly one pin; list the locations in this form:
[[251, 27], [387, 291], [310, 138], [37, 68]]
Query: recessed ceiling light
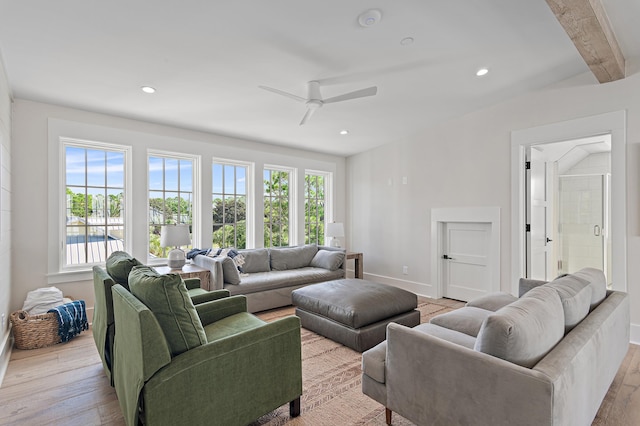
[[344, 132], [369, 18], [406, 41], [482, 71], [148, 89]]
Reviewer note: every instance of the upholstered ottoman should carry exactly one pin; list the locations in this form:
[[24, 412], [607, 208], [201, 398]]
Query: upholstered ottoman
[[354, 312]]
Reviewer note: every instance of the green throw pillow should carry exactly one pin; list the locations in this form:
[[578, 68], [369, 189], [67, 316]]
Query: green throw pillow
[[166, 296], [118, 266]]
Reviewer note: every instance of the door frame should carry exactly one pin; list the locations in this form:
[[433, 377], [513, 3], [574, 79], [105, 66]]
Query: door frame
[[613, 123], [441, 216]]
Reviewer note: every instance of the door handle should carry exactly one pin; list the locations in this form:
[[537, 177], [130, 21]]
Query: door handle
[[596, 230], [444, 256]]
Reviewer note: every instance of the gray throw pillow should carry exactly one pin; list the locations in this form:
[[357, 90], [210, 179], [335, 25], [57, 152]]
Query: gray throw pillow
[[230, 271], [286, 258], [118, 266], [526, 330], [597, 282], [575, 294], [328, 259], [255, 260], [167, 297]]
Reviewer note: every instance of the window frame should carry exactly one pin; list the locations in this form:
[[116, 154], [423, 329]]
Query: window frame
[[126, 150], [328, 199], [195, 192], [249, 196], [293, 202]]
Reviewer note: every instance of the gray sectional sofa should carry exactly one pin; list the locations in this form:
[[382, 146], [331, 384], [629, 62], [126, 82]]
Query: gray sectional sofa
[[269, 275], [546, 358]]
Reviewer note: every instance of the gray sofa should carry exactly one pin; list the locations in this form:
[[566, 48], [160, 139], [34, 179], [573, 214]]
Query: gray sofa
[[546, 358], [271, 274]]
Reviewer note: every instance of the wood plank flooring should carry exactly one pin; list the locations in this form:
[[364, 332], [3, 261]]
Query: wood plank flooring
[[65, 385]]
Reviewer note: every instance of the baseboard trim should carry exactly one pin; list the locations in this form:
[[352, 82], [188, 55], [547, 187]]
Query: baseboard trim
[[635, 334], [421, 289], [5, 353]]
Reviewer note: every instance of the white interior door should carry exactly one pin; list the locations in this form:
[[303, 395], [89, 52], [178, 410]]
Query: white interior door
[[466, 247], [538, 248]]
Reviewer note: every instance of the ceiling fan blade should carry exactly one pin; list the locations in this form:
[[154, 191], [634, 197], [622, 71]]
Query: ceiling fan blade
[[280, 92], [307, 115], [369, 91]]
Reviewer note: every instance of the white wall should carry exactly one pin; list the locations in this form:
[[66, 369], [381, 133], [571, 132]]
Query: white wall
[[5, 217], [33, 145], [466, 162]]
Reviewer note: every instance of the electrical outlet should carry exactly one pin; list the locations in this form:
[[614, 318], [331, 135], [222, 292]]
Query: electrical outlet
[[405, 270]]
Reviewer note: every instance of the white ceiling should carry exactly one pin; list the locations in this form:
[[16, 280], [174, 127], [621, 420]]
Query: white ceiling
[[206, 59]]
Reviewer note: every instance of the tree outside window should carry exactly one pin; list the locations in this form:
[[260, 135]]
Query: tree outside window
[[276, 207], [314, 205], [229, 206]]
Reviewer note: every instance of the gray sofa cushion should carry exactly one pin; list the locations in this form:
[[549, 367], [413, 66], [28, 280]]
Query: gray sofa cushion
[[373, 361], [263, 281], [575, 294], [526, 330], [467, 320], [443, 333], [286, 258], [255, 260], [492, 301], [230, 271], [526, 284], [328, 259], [597, 282]]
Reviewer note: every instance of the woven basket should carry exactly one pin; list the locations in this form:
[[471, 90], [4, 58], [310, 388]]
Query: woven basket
[[34, 331]]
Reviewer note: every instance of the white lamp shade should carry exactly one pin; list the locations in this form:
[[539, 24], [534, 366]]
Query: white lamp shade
[[174, 236], [335, 230]]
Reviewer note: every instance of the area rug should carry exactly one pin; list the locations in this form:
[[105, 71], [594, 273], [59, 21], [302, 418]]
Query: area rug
[[331, 379]]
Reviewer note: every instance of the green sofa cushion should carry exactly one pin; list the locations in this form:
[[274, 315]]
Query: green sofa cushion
[[119, 265], [167, 297]]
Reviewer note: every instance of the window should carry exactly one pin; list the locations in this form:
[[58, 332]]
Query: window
[[171, 182], [315, 202], [94, 202], [229, 208], [278, 187]]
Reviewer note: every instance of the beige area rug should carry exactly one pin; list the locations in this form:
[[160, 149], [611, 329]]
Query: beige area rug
[[331, 379]]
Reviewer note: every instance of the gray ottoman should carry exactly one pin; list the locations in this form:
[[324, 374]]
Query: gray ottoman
[[354, 312]]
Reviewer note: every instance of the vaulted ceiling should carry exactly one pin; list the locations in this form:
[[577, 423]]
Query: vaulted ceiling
[[207, 58]]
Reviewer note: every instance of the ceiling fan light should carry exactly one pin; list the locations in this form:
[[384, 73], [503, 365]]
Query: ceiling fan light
[[148, 89], [482, 71], [344, 132]]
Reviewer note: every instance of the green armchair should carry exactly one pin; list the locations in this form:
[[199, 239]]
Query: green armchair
[[242, 369], [103, 327]]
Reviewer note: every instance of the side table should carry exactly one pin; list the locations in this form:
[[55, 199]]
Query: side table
[[189, 270], [358, 269]]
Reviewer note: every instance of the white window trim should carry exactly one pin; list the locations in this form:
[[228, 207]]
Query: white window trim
[[251, 196], [293, 199], [58, 270], [195, 209], [328, 196]]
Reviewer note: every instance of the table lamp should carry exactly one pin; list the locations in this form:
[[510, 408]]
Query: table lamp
[[175, 236], [335, 231]]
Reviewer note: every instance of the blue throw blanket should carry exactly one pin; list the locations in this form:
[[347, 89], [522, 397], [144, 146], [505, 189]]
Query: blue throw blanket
[[72, 319]]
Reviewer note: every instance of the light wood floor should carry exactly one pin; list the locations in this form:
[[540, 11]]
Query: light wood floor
[[65, 385]]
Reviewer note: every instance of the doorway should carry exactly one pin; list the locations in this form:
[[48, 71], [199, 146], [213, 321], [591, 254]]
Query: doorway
[[568, 207], [612, 123]]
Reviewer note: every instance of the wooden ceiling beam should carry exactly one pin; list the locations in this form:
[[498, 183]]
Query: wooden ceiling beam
[[587, 24]]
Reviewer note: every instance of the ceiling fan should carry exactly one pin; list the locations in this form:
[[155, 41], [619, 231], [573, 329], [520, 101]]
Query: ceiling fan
[[314, 99]]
